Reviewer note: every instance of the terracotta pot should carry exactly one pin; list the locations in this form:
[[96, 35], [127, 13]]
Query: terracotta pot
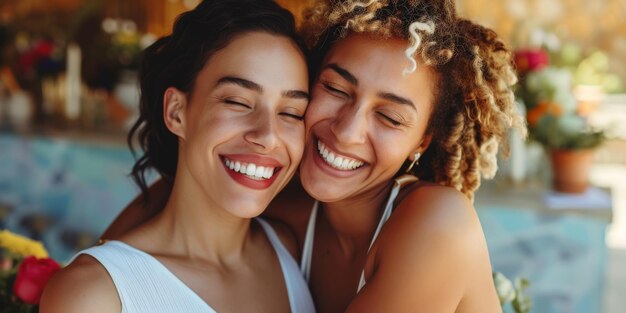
[[570, 169]]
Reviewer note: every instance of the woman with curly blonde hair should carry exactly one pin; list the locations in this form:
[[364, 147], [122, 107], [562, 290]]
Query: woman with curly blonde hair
[[410, 104]]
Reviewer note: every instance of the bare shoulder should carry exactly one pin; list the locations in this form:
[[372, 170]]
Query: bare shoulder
[[434, 223], [432, 209], [432, 242], [82, 286]]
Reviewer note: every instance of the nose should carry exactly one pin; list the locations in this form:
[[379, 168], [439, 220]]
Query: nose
[[350, 125], [263, 132]]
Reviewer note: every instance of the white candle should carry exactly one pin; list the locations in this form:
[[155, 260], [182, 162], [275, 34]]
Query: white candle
[[73, 82]]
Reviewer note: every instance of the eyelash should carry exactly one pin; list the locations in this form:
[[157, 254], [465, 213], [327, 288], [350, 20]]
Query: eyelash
[[294, 116], [333, 90], [228, 101], [390, 120]]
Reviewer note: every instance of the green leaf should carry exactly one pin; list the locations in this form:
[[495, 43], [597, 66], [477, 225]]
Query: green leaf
[[504, 288], [522, 302]]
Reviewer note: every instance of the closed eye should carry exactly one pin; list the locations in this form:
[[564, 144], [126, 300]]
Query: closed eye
[[237, 103], [334, 90], [389, 119], [294, 116]]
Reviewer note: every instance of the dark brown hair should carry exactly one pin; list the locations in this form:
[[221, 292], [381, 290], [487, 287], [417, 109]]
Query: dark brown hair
[[176, 60]]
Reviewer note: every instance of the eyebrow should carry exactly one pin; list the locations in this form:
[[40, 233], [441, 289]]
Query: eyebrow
[[397, 99], [240, 82], [343, 73], [296, 94], [248, 84]]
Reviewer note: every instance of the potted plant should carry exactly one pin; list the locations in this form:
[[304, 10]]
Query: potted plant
[[555, 119]]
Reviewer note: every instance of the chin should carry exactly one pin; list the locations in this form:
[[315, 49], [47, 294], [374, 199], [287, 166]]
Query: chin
[[247, 207], [323, 192], [247, 211]]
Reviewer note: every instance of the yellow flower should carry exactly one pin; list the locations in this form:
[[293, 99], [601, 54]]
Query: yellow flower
[[21, 245]]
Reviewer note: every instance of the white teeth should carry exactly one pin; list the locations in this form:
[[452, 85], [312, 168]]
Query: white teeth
[[260, 171], [252, 170], [345, 162], [338, 162]]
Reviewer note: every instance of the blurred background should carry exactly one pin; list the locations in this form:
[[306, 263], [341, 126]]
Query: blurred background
[[555, 213]]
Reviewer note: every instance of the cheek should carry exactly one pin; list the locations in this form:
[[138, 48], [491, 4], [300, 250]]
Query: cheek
[[393, 149], [293, 137], [322, 106], [212, 128]]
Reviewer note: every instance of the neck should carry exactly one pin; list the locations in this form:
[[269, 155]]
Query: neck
[[354, 220], [192, 226]]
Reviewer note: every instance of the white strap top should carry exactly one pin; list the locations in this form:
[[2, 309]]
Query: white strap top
[[145, 285], [307, 253]]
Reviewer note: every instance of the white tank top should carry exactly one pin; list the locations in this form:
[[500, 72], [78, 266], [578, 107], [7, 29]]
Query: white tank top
[[307, 250], [145, 285]]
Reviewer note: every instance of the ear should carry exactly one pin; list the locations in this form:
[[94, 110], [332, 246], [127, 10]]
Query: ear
[[423, 145], [174, 105]]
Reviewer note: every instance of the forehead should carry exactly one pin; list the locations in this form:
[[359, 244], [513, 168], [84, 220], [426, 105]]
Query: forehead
[[381, 52], [380, 62], [267, 59]]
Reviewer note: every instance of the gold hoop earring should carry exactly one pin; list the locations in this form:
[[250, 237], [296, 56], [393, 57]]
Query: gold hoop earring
[[416, 157]]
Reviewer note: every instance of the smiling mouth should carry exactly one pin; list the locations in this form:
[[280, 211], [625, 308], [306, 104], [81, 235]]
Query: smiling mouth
[[336, 160], [251, 170]]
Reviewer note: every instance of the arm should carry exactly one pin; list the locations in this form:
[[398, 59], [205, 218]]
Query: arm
[[138, 212], [430, 257], [83, 286]]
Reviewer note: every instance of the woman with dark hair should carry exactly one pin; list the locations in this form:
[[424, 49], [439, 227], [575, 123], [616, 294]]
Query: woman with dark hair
[[403, 89], [222, 105]]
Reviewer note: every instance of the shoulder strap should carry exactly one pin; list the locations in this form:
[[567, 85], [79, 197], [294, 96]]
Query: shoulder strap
[[300, 300], [397, 185], [307, 250]]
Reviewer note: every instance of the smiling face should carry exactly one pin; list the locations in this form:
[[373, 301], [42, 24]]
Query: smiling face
[[365, 118], [241, 129]]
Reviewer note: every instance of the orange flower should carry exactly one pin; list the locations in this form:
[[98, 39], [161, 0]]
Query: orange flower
[[535, 114], [555, 109]]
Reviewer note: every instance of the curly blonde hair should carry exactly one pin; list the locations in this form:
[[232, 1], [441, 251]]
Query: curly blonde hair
[[474, 103]]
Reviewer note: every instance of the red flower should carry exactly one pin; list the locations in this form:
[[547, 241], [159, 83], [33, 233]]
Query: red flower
[[39, 51], [32, 276], [531, 60], [43, 49]]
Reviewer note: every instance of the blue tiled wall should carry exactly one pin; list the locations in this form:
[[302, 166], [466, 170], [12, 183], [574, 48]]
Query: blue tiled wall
[[564, 257], [72, 188]]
